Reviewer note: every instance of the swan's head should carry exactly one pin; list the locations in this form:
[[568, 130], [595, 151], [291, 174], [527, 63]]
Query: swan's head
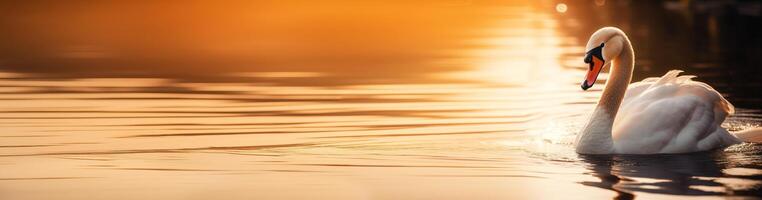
[[603, 45]]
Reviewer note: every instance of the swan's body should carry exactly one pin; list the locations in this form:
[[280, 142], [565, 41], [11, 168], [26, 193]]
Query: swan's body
[[670, 114]]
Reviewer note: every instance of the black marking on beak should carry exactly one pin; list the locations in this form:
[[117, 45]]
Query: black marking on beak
[[585, 86], [597, 52]]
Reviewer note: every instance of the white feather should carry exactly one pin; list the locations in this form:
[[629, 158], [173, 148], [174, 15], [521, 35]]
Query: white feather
[[671, 114]]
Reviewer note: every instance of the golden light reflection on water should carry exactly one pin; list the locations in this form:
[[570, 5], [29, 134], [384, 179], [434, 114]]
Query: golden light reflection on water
[[498, 127]]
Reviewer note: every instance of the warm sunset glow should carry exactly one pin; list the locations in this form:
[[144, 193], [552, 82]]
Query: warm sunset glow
[[339, 99], [600, 2]]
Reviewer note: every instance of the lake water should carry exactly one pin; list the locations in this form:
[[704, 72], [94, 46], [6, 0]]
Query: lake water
[[486, 110]]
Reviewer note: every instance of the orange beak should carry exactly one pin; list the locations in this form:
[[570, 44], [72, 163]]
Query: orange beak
[[594, 58], [596, 65]]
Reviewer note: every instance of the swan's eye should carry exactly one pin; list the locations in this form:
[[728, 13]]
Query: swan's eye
[[597, 52]]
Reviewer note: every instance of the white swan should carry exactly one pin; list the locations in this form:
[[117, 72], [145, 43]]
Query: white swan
[[670, 114]]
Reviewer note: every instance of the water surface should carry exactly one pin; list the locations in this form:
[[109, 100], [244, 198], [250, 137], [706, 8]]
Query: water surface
[[484, 107]]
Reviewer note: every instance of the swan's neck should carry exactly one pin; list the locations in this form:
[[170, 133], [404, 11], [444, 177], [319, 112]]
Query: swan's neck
[[619, 79], [595, 137]]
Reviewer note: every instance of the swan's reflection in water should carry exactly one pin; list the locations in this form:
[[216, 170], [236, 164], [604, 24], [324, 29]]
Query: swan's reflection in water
[[702, 173]]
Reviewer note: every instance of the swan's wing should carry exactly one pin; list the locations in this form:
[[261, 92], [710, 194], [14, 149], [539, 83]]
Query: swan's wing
[[671, 115], [671, 77], [635, 89], [649, 125]]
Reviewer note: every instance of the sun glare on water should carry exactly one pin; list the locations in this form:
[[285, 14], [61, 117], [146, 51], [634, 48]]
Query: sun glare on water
[[518, 57], [561, 8]]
